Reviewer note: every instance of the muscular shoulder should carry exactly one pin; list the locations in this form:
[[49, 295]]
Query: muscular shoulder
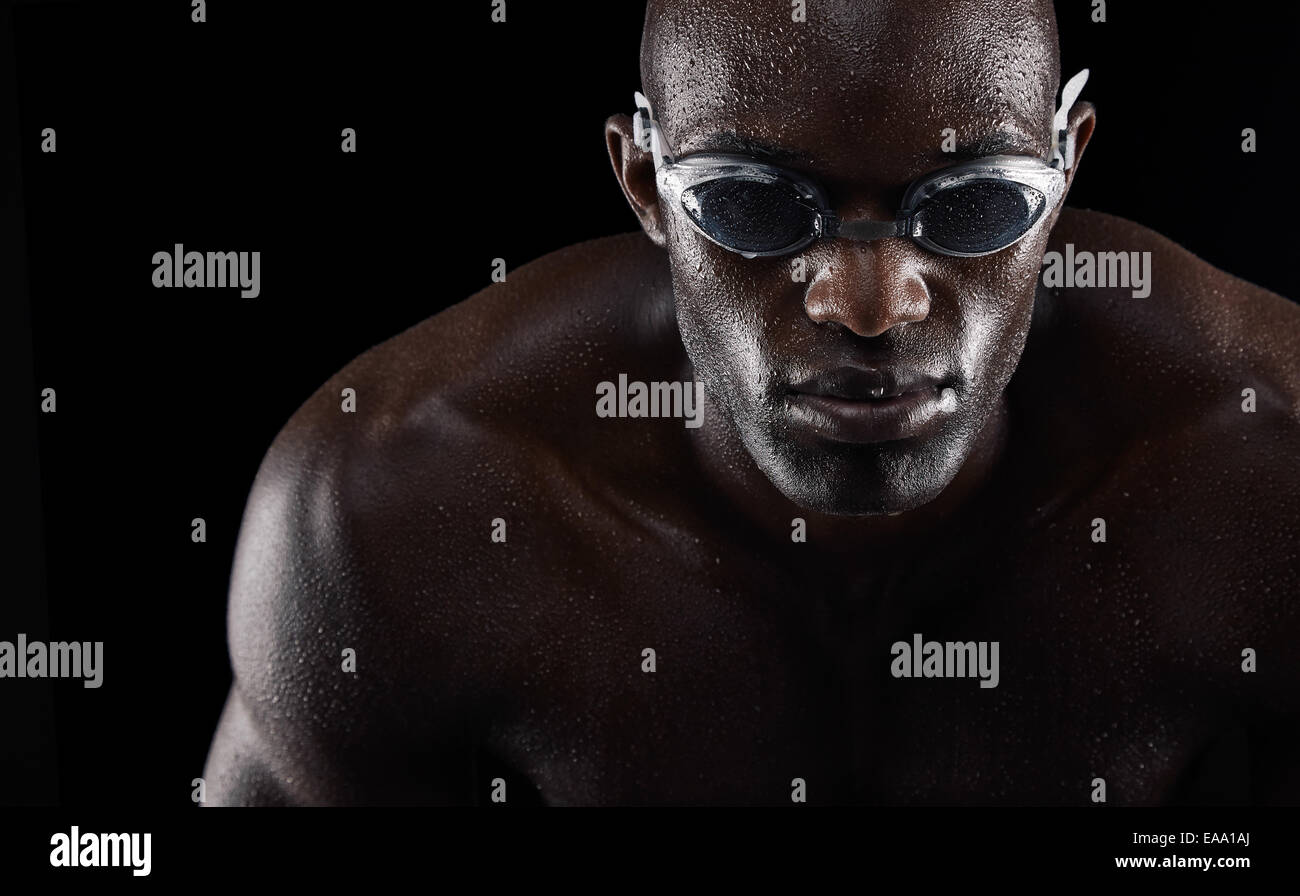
[[373, 618], [466, 407], [1180, 352], [1177, 327], [370, 525], [1184, 405], [508, 366]]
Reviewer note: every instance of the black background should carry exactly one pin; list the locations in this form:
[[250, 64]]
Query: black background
[[475, 141]]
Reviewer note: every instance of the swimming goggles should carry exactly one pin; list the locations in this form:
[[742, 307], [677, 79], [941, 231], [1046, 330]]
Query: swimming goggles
[[758, 209]]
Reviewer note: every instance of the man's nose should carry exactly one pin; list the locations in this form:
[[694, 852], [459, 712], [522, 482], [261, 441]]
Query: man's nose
[[868, 287]]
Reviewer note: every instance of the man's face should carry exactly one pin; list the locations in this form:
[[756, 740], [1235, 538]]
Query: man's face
[[859, 100]]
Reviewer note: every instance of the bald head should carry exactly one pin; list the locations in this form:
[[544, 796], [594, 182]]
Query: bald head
[[858, 79]]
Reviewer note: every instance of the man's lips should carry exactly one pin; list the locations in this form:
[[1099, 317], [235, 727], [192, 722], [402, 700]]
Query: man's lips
[[870, 404], [866, 383]]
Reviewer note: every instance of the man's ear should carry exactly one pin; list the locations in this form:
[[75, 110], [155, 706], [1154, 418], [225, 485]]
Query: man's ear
[[1083, 118], [635, 171]]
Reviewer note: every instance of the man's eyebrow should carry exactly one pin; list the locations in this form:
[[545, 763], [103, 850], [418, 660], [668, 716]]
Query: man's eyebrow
[[991, 144], [730, 141], [997, 143]]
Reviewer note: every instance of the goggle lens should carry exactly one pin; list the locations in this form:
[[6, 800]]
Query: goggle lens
[[979, 217], [750, 215]]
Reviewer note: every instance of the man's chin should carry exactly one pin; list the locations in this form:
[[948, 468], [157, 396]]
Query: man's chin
[[858, 480], [859, 501]]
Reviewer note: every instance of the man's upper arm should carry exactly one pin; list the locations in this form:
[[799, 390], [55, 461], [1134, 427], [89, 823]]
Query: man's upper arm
[[331, 702]]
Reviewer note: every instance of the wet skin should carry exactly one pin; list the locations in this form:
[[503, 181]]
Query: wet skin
[[523, 660]]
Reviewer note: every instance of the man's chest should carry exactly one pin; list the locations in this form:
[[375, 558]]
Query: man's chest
[[748, 680]]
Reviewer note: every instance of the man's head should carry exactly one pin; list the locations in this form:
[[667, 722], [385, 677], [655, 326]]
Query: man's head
[[860, 97]]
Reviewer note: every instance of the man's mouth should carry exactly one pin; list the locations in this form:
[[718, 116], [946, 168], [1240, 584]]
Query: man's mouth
[[866, 383], [870, 404]]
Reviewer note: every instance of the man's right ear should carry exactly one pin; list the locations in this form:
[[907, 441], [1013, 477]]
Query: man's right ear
[[635, 170]]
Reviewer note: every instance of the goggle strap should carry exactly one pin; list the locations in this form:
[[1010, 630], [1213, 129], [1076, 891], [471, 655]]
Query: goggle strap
[[645, 131], [1063, 144]]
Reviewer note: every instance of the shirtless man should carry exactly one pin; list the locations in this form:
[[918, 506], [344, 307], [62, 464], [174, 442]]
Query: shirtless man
[[1119, 516]]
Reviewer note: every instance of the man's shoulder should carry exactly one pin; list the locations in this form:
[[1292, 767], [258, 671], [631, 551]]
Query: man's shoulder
[[1204, 367], [1142, 288], [1178, 346], [483, 410], [380, 507], [514, 363], [510, 356], [1185, 406]]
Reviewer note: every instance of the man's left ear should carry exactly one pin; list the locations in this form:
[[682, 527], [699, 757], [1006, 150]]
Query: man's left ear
[[1083, 118]]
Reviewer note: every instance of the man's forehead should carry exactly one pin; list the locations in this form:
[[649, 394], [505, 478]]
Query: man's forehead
[[879, 80]]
